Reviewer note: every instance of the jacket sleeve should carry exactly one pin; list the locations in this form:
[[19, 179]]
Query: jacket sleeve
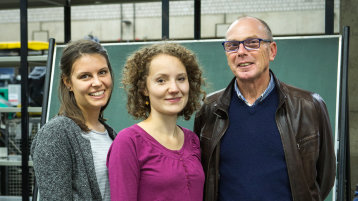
[[201, 118], [52, 163], [123, 168], [198, 122], [326, 165]]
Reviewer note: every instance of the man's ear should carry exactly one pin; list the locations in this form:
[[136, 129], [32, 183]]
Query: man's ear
[[273, 50]]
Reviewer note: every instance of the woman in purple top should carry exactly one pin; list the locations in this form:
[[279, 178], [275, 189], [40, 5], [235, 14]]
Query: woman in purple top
[[157, 160]]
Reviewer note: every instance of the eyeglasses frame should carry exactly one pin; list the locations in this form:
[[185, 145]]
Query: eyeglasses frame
[[260, 39]]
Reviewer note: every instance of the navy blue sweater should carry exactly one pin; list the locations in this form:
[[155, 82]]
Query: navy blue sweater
[[252, 161]]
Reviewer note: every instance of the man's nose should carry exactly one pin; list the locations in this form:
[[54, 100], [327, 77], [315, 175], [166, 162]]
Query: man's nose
[[241, 50]]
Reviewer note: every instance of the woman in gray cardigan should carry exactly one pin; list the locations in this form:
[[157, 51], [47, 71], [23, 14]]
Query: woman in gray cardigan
[[69, 152]]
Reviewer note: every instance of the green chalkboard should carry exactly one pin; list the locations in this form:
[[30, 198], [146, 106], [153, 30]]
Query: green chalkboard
[[311, 63]]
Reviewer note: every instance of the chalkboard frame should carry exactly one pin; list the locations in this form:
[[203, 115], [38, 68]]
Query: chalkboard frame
[[324, 50]]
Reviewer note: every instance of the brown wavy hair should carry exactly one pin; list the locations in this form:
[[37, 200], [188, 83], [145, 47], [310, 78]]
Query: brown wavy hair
[[135, 73], [71, 53]]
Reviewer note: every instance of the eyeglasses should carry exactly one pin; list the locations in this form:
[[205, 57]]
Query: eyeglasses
[[249, 44]]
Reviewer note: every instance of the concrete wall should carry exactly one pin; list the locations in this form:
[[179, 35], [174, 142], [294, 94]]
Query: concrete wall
[[291, 22]]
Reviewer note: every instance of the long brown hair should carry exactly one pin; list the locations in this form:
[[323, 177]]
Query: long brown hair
[[71, 53]]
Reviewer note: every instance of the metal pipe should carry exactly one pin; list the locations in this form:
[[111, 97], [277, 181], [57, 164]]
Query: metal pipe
[[197, 19], [24, 101], [329, 17], [343, 177], [165, 19], [67, 21]]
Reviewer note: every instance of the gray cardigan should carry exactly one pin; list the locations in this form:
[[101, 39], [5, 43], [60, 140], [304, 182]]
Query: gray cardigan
[[63, 162]]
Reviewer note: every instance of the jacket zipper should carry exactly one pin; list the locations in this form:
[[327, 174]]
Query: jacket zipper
[[304, 140]]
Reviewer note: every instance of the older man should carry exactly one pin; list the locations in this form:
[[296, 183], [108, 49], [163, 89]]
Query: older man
[[261, 139]]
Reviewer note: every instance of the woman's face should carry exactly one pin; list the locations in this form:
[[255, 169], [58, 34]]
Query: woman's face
[[167, 85], [90, 82]]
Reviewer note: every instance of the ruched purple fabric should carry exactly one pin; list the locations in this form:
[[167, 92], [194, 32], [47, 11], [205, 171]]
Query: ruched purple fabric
[[141, 169]]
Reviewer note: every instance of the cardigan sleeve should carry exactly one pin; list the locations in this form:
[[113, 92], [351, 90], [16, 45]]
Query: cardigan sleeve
[[52, 163], [123, 167]]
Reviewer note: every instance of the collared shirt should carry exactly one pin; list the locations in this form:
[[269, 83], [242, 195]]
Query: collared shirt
[[267, 91]]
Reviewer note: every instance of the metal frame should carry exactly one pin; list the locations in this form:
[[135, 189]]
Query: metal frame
[[165, 19], [197, 19], [343, 156], [329, 17], [67, 20], [24, 101]]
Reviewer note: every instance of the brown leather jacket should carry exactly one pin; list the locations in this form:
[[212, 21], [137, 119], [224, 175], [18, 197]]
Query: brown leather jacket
[[303, 122]]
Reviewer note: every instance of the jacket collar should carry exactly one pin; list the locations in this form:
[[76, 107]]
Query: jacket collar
[[223, 103], [281, 89]]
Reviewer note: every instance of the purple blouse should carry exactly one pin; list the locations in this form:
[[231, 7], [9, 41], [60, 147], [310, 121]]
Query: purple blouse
[[141, 169]]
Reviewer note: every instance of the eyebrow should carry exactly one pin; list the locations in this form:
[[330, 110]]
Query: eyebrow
[[164, 74], [85, 72], [252, 36]]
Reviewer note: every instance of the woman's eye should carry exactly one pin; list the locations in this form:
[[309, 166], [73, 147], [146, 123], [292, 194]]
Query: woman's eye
[[103, 72], [182, 78], [160, 80], [84, 76]]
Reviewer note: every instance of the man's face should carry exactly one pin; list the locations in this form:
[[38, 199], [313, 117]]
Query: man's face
[[250, 65]]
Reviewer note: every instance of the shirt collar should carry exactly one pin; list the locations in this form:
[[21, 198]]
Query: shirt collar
[[267, 91]]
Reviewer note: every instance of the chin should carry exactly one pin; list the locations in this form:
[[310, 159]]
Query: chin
[[242, 76], [173, 112]]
